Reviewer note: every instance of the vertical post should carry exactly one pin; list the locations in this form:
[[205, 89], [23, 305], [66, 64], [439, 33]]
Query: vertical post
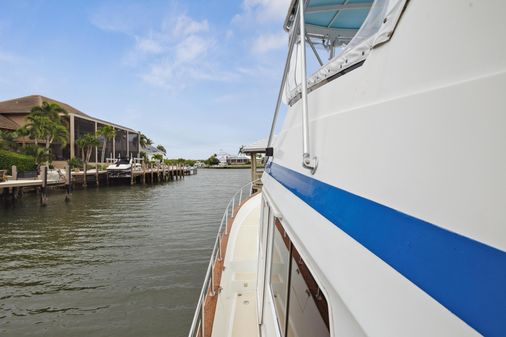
[[14, 171], [143, 173], [307, 161], [72, 136], [96, 174], [85, 168], [128, 145], [132, 174], [43, 191], [226, 219], [253, 165], [114, 146], [96, 147], [68, 182], [151, 168]]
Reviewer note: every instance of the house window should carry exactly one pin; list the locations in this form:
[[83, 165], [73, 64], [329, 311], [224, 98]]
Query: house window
[[300, 305]]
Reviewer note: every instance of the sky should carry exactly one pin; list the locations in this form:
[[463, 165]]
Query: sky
[[196, 76]]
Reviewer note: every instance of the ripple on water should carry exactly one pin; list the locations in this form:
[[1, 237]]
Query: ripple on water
[[118, 261]]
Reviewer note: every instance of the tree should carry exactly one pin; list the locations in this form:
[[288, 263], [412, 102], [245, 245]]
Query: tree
[[43, 128], [8, 140], [51, 110], [87, 142], [106, 133], [213, 160], [144, 140], [161, 148], [41, 154], [44, 124], [157, 156], [35, 127]]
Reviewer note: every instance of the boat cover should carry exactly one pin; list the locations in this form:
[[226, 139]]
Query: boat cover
[[357, 25]]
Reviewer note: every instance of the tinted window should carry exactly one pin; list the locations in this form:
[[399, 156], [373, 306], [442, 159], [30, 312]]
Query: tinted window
[[279, 273], [296, 292]]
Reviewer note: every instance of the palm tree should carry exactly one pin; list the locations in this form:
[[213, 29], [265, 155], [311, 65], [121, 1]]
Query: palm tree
[[87, 142], [55, 132], [105, 133], [51, 110], [161, 148], [44, 123], [144, 140], [35, 126]]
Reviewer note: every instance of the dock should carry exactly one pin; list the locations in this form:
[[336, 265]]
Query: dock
[[13, 188]]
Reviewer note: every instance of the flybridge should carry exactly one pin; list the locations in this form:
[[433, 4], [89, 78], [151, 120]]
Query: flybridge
[[333, 22], [347, 30]]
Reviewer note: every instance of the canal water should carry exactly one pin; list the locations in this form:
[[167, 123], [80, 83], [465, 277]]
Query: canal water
[[116, 261]]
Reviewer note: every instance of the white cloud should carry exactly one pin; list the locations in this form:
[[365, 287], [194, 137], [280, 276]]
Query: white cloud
[[191, 48], [185, 26], [149, 45], [267, 10], [269, 42]]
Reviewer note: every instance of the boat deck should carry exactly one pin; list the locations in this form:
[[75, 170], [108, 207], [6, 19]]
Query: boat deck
[[236, 313]]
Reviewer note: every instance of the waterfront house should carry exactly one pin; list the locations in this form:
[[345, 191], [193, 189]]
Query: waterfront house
[[230, 159], [13, 115], [151, 151]]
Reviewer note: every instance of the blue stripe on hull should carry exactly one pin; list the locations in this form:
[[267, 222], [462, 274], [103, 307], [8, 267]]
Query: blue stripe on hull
[[464, 275]]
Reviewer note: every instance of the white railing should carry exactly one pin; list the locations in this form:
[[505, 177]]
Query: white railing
[[209, 286]]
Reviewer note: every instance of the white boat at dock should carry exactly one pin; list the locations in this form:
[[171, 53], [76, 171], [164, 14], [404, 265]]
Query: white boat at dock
[[123, 167], [382, 207]]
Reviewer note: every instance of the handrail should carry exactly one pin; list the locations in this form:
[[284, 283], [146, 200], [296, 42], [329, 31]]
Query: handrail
[[216, 255], [308, 162]]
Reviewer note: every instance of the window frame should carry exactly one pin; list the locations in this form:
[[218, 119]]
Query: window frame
[[292, 246]]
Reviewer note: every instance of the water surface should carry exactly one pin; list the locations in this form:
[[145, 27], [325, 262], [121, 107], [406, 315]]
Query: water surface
[[114, 261]]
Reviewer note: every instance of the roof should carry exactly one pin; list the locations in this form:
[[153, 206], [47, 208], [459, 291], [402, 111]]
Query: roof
[[23, 105], [152, 150], [337, 20], [7, 123], [259, 146]]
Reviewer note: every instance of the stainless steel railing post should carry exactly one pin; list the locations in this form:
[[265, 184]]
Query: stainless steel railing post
[[233, 206], [307, 161]]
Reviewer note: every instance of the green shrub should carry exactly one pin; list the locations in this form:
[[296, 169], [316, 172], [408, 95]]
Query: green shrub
[[76, 163], [22, 162]]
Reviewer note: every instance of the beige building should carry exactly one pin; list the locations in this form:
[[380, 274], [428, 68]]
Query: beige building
[[13, 115]]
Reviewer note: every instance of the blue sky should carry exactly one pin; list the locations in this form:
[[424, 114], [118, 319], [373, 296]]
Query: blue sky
[[195, 76]]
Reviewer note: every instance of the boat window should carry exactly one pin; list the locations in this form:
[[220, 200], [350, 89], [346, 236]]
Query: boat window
[[296, 291], [308, 313], [279, 273], [339, 36]]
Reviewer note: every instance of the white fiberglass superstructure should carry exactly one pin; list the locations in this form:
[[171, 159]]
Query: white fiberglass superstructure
[[382, 211]]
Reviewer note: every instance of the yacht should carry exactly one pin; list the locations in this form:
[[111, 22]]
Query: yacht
[[382, 206]]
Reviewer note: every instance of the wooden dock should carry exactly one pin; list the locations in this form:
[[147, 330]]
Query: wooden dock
[[13, 188]]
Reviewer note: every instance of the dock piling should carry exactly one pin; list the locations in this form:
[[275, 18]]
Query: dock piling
[[43, 189], [97, 182], [68, 182], [85, 181]]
